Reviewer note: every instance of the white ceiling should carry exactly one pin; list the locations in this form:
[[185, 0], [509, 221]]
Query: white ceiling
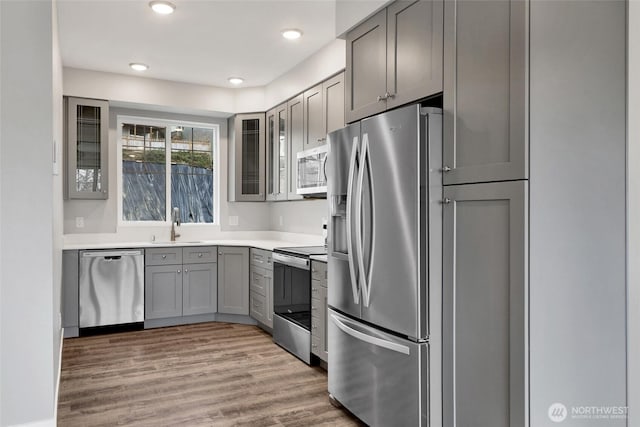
[[202, 42]]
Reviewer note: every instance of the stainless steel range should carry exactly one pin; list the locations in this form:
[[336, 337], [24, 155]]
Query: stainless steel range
[[292, 299]]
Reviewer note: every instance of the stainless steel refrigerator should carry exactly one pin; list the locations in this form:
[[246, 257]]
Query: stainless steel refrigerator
[[385, 260]]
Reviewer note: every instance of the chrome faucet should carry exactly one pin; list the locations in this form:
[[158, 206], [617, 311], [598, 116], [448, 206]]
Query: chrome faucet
[[175, 222]]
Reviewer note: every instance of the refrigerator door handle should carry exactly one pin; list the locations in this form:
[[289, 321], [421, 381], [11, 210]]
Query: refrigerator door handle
[[352, 272], [364, 160], [399, 348]]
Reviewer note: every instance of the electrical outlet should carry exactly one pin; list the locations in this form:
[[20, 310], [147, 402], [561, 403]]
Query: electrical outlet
[[233, 220], [79, 222], [281, 221]]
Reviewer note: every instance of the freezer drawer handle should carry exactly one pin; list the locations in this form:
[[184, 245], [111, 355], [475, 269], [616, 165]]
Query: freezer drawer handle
[[369, 339]]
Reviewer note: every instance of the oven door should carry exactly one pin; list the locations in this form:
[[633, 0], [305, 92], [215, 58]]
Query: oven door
[[292, 305]]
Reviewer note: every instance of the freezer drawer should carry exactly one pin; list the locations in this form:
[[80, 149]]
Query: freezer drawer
[[380, 378]]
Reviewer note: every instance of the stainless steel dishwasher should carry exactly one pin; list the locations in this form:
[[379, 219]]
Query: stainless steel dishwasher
[[111, 287]]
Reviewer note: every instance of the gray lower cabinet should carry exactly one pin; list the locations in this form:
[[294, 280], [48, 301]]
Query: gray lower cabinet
[[485, 91], [394, 57], [163, 291], [233, 280], [319, 310], [180, 289], [198, 294], [485, 287], [261, 287], [70, 277]]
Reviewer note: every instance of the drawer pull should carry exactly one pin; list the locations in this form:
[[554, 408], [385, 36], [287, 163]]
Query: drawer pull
[[199, 255], [164, 257], [178, 271]]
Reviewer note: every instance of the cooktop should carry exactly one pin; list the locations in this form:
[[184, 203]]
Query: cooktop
[[303, 250]]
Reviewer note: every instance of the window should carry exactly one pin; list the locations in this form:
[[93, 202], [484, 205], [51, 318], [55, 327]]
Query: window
[[164, 165]]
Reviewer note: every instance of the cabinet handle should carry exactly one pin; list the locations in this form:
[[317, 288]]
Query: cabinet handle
[[380, 98], [186, 271], [388, 95], [178, 271], [199, 255], [219, 253], [446, 169], [446, 201], [164, 257]]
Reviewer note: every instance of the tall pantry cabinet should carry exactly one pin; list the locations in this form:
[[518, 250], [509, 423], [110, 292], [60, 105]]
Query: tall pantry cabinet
[[534, 234]]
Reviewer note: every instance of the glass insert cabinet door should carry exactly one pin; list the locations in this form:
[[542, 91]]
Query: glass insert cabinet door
[[87, 148], [249, 161]]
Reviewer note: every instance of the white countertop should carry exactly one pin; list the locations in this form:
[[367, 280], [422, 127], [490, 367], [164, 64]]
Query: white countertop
[[261, 240], [261, 244], [321, 258]]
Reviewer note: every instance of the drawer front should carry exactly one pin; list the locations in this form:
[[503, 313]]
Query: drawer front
[[261, 258], [316, 285], [319, 271], [258, 281], [316, 307], [258, 307], [163, 256], [200, 255]]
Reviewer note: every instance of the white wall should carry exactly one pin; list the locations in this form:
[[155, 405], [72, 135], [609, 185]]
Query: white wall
[[316, 68], [57, 189], [303, 216], [100, 216], [131, 95], [633, 213], [26, 200], [351, 12]]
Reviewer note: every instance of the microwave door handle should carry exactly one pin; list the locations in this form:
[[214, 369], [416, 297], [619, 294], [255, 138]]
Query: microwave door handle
[[350, 189], [364, 286]]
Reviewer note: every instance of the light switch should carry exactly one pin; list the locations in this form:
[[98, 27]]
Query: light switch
[[233, 220], [79, 222]]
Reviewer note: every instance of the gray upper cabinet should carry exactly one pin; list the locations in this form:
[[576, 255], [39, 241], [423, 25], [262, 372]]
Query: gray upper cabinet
[[414, 50], [277, 153], [314, 131], [233, 280], [87, 147], [333, 104], [247, 158], [485, 287], [295, 116], [394, 57], [366, 70], [485, 94], [324, 110]]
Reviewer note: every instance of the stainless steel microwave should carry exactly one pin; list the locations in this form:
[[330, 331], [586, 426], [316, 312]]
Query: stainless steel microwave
[[312, 173]]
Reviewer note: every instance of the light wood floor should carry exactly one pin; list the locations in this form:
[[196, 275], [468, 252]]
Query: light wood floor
[[210, 374]]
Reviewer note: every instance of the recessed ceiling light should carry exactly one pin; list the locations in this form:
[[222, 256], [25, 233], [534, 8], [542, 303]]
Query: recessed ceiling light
[[291, 34], [139, 67], [162, 7], [235, 80]]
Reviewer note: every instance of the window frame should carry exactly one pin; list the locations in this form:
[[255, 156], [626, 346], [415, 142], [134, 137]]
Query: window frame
[[166, 123]]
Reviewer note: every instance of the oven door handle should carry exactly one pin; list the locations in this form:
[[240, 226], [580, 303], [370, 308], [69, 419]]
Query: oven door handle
[[291, 261]]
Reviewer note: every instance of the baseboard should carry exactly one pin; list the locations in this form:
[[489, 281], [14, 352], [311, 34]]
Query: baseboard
[[55, 399], [42, 423]]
